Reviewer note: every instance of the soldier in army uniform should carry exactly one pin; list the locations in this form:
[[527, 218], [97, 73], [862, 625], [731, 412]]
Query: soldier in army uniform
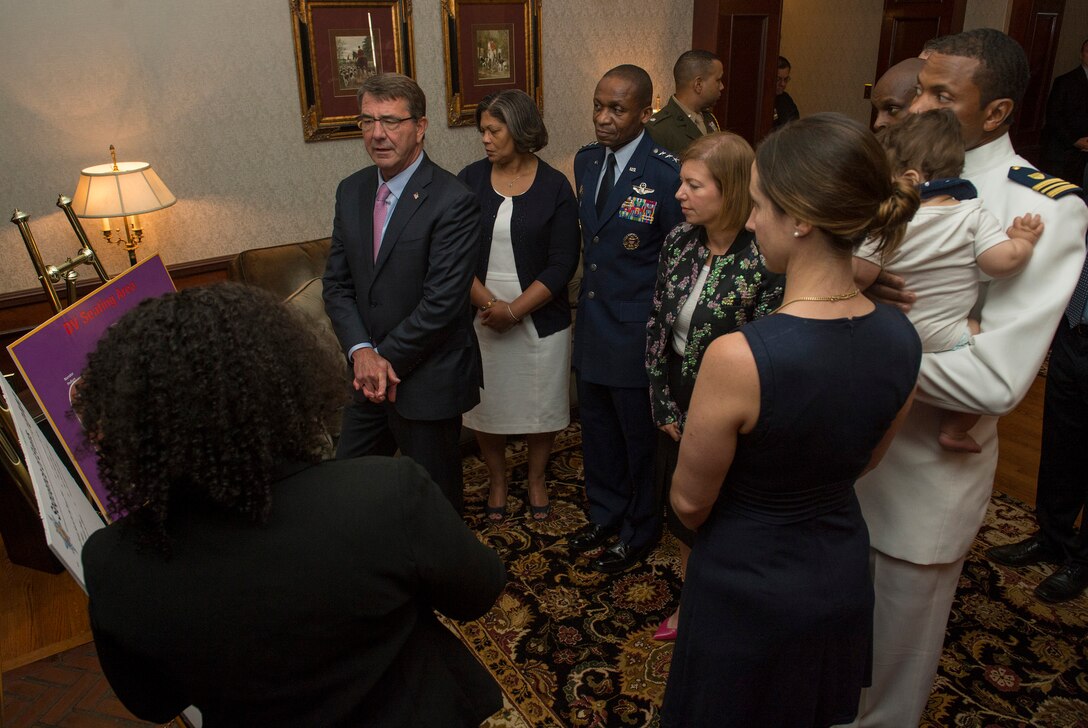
[[627, 205], [698, 77]]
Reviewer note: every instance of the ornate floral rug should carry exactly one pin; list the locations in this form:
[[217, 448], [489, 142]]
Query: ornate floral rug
[[1010, 659], [572, 647]]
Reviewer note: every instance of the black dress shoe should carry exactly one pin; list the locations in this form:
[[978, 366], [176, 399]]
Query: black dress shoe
[[619, 557], [1068, 582], [589, 538], [1032, 550]]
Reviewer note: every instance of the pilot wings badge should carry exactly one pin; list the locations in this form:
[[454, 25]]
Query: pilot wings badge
[[642, 189]]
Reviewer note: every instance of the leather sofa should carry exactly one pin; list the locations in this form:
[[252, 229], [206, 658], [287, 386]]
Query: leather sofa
[[293, 273]]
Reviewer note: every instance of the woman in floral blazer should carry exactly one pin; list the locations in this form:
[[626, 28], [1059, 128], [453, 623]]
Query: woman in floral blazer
[[712, 256]]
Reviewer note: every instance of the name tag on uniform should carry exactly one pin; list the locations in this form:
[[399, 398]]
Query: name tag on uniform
[[638, 209]]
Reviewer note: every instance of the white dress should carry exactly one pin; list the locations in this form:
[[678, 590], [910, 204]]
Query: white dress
[[526, 378]]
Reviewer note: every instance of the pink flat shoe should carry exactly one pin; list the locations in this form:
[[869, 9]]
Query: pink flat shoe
[[665, 633]]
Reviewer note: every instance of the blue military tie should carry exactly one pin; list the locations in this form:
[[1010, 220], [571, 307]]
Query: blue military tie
[[607, 182], [1075, 311]]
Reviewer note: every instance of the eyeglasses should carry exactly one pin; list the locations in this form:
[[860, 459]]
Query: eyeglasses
[[389, 123]]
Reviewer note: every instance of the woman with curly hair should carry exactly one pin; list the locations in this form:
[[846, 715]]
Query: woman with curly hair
[[248, 576]]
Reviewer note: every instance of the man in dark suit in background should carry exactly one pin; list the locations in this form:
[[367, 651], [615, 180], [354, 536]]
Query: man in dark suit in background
[[396, 287], [1065, 134], [785, 110], [626, 188], [698, 78]]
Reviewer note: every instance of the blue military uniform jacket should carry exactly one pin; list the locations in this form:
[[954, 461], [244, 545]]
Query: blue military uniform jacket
[[621, 249]]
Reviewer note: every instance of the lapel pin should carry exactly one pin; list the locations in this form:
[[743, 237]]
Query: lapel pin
[[415, 195]]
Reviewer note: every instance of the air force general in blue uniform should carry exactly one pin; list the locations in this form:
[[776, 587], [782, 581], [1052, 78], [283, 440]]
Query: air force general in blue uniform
[[622, 231]]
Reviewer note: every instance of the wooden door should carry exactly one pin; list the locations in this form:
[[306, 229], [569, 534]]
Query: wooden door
[[1035, 25], [745, 34], [908, 24]]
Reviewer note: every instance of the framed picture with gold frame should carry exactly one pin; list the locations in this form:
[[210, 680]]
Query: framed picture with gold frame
[[338, 44], [491, 45]]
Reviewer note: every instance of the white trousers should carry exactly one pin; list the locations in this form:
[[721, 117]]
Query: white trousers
[[912, 606]]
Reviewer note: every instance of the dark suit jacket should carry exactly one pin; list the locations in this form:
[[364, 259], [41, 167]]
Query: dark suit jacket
[[322, 617], [413, 302], [544, 232], [785, 110], [671, 128], [1066, 122], [621, 248]]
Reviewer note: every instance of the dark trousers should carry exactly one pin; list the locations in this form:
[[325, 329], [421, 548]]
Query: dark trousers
[[377, 429], [668, 451], [618, 442], [1063, 466]]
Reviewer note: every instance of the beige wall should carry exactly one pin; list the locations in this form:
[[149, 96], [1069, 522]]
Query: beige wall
[[205, 90], [833, 46], [987, 14]]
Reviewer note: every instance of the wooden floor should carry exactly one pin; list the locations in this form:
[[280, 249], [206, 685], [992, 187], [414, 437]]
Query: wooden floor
[[68, 689], [1020, 434]]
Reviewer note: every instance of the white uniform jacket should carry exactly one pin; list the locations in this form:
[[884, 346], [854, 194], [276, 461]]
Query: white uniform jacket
[[924, 504]]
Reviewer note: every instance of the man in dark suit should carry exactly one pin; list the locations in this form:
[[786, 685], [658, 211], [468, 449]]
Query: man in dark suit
[[404, 246], [698, 77], [785, 110], [626, 188], [1065, 134]]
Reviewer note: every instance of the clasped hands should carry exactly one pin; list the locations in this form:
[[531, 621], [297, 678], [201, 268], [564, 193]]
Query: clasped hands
[[498, 317], [374, 376]]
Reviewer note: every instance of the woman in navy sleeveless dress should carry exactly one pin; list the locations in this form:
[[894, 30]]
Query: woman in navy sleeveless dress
[[776, 613]]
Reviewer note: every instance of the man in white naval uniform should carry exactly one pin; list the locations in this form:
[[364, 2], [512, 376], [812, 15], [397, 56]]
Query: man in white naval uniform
[[923, 504]]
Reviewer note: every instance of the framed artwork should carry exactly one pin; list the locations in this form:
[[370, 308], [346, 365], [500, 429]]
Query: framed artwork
[[491, 45], [338, 44]]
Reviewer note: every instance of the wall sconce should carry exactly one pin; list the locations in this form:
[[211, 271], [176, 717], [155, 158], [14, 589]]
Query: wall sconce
[[126, 190]]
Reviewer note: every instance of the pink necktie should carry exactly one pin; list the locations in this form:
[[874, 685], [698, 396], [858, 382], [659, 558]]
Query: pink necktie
[[381, 209]]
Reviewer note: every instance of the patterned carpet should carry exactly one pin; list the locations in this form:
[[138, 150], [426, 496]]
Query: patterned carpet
[[1010, 659], [571, 647]]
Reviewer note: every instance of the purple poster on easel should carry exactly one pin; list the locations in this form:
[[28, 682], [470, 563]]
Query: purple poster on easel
[[52, 356]]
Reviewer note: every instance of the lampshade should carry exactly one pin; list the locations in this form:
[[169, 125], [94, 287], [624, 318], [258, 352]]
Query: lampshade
[[129, 188]]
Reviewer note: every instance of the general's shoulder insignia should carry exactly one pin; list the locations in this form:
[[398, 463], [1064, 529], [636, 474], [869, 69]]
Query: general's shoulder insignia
[[642, 189], [667, 155], [1045, 184], [591, 145]]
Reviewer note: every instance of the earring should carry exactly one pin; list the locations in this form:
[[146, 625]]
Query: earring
[[796, 234]]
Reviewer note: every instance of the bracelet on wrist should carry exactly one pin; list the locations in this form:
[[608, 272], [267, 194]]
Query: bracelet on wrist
[[510, 311], [488, 305]]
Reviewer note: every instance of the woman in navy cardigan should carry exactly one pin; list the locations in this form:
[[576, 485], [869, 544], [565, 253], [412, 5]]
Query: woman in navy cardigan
[[529, 251]]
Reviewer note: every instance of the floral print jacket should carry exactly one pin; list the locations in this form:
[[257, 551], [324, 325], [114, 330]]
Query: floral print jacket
[[738, 289]]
